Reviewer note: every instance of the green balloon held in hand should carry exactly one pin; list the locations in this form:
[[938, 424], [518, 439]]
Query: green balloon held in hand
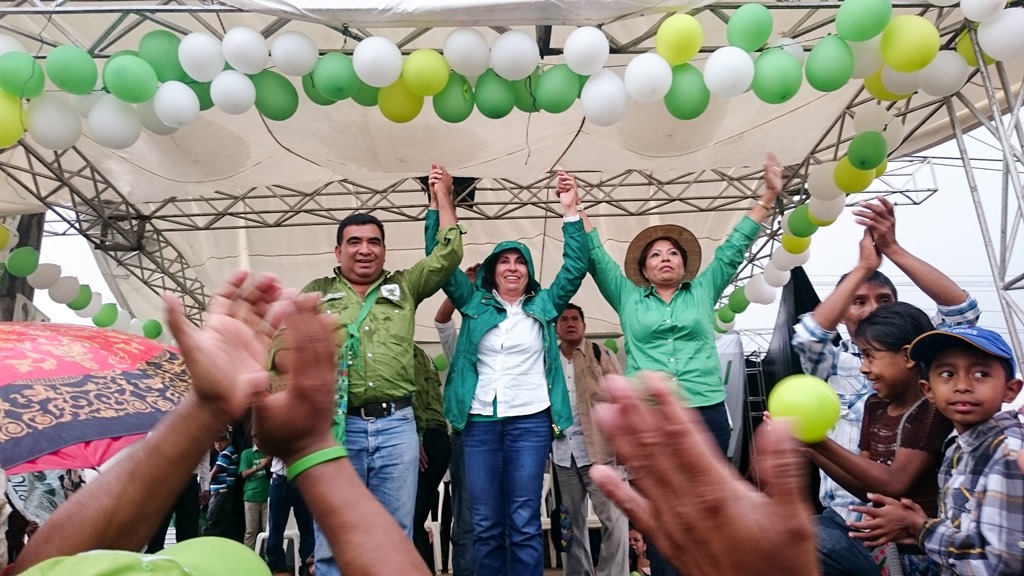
[[688, 97], [809, 402], [495, 96], [21, 76], [72, 69], [106, 316], [276, 97], [22, 261], [557, 89], [454, 103], [130, 79], [777, 76], [159, 48]]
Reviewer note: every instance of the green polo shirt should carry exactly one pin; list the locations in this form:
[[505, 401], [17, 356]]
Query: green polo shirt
[[427, 403], [677, 337], [385, 369]]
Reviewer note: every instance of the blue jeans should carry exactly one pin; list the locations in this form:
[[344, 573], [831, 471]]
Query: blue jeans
[[462, 515], [285, 497], [385, 453], [505, 473], [839, 554]]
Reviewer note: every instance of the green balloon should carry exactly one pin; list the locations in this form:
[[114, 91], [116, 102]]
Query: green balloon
[[313, 94], [82, 300], [688, 97], [612, 345], [868, 150], [365, 95], [152, 329], [106, 316], [20, 75], [800, 224], [276, 96], [829, 65], [202, 90], [583, 81], [130, 78], [454, 103], [749, 27], [557, 89], [440, 363], [495, 96], [71, 69], [159, 48], [717, 328], [738, 301], [22, 261], [777, 76], [526, 93], [860, 20], [122, 53], [725, 314], [335, 77]]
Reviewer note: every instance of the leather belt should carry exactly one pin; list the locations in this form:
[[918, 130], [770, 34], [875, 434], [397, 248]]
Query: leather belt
[[380, 409]]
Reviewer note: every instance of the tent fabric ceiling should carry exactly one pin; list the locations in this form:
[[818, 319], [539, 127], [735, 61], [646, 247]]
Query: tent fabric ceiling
[[222, 154]]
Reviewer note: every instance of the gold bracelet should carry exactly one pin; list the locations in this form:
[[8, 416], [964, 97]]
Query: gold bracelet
[[763, 205]]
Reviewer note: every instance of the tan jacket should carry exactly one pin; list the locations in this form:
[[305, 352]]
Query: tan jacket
[[588, 373]]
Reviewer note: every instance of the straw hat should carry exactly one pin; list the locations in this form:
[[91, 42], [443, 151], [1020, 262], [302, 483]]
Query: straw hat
[[686, 239]]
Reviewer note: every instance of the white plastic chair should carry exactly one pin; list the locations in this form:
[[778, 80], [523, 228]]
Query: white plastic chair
[[291, 532], [545, 518], [433, 524]]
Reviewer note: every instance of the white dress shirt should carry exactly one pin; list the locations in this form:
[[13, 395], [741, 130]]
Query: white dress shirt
[[572, 444]]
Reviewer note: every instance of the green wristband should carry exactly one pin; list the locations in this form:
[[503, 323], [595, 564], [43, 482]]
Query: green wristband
[[318, 457]]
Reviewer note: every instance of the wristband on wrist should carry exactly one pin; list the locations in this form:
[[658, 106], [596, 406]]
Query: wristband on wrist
[[763, 205], [318, 457]]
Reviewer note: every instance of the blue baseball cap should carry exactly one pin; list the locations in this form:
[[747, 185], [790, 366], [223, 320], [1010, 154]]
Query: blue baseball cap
[[927, 345]]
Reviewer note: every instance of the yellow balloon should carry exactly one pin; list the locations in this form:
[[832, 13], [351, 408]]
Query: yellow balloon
[[964, 48], [398, 104], [850, 179], [881, 168], [12, 120], [795, 244], [909, 43], [873, 84], [819, 223], [5, 237], [679, 38]]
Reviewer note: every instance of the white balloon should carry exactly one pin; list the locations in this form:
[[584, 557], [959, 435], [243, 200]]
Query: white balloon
[[792, 47], [982, 10], [175, 104], [232, 92], [758, 291], [943, 3], [784, 261], [728, 72], [515, 55], [201, 55], [294, 53], [467, 52], [152, 122], [784, 223], [775, 277], [83, 103], [870, 118], [9, 44], [123, 321], [377, 61], [135, 326], [113, 123], [821, 182], [893, 134], [945, 75], [604, 99], [52, 122], [65, 290], [724, 326], [899, 82], [92, 307], [648, 77], [245, 50], [867, 56], [1002, 37], [45, 276], [826, 209], [586, 50]]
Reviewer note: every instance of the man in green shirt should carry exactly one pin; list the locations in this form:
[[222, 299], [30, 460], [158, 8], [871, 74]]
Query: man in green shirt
[[252, 467], [377, 309], [435, 448]]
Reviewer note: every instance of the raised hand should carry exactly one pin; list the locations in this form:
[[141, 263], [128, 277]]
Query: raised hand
[[568, 193], [880, 220], [439, 180], [772, 179], [694, 506], [870, 257], [471, 272]]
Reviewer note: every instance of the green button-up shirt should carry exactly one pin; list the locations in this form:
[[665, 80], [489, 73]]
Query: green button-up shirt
[[384, 370], [677, 337], [427, 404]]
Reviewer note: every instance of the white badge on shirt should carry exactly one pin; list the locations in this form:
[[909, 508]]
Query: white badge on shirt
[[391, 292]]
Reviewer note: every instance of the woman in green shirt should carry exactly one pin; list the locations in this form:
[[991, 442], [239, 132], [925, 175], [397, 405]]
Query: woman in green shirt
[[666, 309]]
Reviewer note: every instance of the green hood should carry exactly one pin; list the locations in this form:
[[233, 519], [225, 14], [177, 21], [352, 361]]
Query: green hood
[[485, 279]]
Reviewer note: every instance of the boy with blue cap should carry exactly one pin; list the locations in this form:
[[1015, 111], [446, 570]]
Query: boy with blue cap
[[970, 373]]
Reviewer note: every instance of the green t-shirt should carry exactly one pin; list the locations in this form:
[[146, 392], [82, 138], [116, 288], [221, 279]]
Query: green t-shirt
[[257, 485]]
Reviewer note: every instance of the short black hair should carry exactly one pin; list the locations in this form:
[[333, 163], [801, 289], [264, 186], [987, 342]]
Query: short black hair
[[926, 365], [892, 326], [358, 219], [571, 306], [647, 250], [878, 279]]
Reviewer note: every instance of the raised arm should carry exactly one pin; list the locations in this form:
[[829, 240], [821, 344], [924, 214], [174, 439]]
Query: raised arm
[[575, 257], [607, 274], [443, 239], [831, 310]]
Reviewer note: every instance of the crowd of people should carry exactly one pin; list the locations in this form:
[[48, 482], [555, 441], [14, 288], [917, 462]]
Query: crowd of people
[[351, 429]]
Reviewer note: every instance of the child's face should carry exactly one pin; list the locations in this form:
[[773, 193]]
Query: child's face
[[892, 374], [968, 386]]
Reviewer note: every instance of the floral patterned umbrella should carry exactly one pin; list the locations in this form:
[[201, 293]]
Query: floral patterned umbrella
[[73, 396]]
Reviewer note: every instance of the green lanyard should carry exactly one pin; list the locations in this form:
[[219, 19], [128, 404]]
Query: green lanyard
[[350, 356]]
